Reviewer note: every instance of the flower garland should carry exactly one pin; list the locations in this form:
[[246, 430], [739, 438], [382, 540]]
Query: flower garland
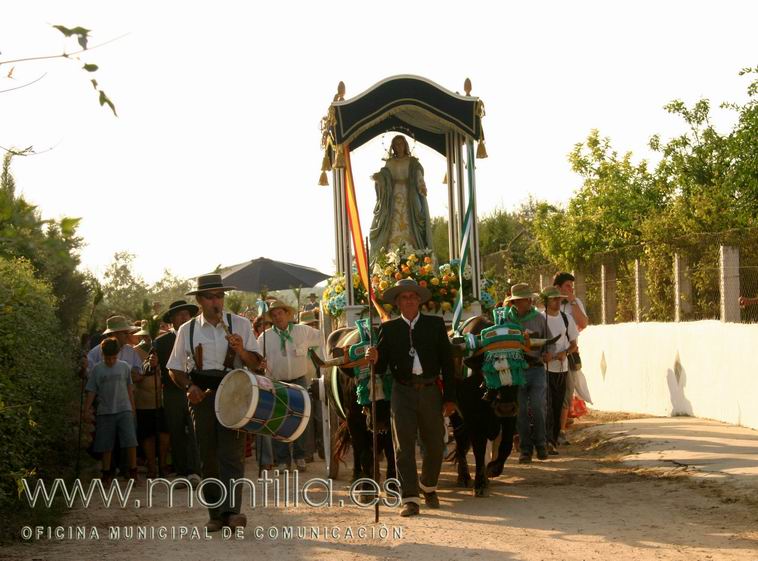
[[408, 263]]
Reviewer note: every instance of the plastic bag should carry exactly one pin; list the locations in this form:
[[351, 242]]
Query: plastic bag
[[580, 385], [578, 408]]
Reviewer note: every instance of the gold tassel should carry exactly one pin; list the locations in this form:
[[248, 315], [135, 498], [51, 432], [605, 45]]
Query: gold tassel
[[323, 180], [325, 163], [339, 161], [481, 151], [444, 179]]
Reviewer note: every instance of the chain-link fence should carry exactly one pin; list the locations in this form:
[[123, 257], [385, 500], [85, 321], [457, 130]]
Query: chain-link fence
[[701, 282]]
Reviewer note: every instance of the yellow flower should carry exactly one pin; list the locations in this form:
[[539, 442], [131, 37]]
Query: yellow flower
[[412, 257], [435, 281], [338, 289], [388, 271], [383, 285]]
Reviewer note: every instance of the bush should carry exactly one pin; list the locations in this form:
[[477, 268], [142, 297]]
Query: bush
[[38, 389]]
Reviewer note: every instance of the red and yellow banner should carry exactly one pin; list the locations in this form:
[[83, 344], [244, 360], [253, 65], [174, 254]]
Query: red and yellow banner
[[361, 256]]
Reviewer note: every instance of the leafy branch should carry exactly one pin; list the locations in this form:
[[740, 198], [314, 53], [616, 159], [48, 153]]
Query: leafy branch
[[82, 38]]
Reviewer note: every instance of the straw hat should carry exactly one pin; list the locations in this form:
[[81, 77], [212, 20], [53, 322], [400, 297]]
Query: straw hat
[[118, 323], [280, 304], [521, 291]]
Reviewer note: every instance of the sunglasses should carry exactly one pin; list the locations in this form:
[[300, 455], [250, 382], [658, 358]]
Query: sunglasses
[[213, 296]]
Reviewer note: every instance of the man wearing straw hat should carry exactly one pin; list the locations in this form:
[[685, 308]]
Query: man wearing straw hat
[[285, 346], [416, 349], [532, 395], [119, 328], [206, 348]]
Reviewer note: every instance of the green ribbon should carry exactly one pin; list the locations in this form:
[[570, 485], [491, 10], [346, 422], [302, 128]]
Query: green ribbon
[[284, 336]]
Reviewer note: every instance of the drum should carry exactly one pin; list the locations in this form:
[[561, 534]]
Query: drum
[[253, 403]]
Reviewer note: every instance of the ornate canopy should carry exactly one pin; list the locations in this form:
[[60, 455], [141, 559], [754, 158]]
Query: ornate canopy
[[409, 104]]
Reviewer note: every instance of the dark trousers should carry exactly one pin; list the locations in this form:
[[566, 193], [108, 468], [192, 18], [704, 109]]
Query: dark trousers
[[184, 454], [222, 456], [531, 400], [417, 411], [285, 452], [556, 391]]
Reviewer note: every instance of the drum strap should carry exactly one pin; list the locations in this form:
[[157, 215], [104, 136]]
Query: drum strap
[[206, 379], [192, 329]]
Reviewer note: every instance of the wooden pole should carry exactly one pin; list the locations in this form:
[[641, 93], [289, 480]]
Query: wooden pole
[[374, 434]]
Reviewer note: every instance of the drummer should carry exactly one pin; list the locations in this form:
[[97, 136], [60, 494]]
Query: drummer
[[285, 346], [202, 354]]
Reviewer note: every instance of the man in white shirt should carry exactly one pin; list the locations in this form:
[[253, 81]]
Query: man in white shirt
[[203, 353], [557, 362], [285, 348], [573, 307]]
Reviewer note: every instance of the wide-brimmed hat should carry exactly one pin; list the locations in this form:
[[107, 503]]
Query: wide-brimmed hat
[[118, 323], [144, 324], [521, 291], [280, 304], [313, 295], [308, 316], [406, 285], [209, 282], [178, 306], [551, 292]]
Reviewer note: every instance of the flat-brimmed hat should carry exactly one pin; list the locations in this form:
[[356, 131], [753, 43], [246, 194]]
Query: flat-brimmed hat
[[308, 316], [143, 329], [209, 282], [521, 291], [406, 285], [280, 304], [118, 323], [178, 306], [313, 295], [551, 292]]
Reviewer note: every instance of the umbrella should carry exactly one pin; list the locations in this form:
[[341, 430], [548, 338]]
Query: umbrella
[[266, 274]]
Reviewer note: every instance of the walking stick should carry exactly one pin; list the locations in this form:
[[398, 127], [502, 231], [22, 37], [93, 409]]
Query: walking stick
[[81, 413], [374, 434]]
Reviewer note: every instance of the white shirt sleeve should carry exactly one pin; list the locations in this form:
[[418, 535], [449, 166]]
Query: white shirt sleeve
[[178, 358], [572, 332]]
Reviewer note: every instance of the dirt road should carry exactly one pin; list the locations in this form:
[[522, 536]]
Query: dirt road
[[583, 505]]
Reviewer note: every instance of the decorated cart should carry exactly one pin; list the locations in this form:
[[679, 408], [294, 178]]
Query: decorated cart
[[451, 125]]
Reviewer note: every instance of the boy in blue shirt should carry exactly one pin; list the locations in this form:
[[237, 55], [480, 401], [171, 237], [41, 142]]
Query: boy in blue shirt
[[111, 382]]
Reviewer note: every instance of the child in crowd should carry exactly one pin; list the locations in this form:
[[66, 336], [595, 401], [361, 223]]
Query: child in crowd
[[111, 382]]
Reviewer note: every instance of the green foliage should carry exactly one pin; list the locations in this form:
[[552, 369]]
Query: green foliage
[[51, 246], [38, 389]]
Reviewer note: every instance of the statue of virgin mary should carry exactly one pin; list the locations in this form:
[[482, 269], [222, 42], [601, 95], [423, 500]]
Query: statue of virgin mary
[[401, 213]]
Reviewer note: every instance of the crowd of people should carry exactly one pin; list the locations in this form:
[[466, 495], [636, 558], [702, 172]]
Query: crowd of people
[[156, 395]]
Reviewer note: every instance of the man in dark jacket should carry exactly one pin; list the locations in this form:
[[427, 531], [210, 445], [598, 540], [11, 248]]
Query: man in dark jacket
[[184, 452], [416, 349]]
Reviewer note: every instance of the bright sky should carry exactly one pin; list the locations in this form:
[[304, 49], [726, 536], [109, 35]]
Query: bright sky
[[214, 158]]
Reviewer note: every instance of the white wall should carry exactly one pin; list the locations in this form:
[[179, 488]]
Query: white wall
[[705, 369]]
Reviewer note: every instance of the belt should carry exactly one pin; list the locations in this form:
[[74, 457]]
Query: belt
[[418, 385], [207, 379]]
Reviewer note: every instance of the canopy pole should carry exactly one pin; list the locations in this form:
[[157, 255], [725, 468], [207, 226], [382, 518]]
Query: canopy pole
[[337, 221], [452, 233], [347, 263]]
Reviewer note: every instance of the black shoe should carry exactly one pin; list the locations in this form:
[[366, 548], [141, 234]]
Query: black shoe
[[541, 454], [409, 509], [551, 449], [525, 458], [432, 500]]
